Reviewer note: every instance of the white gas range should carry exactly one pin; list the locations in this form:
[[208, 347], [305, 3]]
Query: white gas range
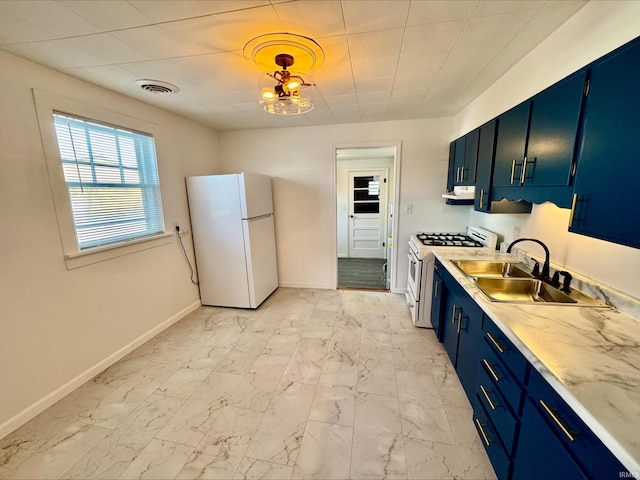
[[421, 265]]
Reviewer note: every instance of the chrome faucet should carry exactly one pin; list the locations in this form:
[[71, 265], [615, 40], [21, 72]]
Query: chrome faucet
[[544, 275]]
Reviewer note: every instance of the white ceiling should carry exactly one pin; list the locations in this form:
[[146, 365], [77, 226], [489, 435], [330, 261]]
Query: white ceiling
[[385, 60]]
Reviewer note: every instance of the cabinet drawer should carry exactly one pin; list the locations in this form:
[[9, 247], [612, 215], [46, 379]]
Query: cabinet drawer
[[588, 450], [505, 351], [497, 410], [500, 461], [501, 377]]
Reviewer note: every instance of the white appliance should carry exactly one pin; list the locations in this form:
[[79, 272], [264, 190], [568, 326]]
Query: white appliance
[[234, 238], [421, 266]]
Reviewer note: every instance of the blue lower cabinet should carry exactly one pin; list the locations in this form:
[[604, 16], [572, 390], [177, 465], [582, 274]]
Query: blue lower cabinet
[[500, 461], [570, 432], [498, 410], [540, 455], [510, 388]]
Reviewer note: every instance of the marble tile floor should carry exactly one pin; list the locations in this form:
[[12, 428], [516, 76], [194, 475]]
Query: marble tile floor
[[325, 384]]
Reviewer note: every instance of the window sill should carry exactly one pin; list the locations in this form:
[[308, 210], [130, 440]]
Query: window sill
[[100, 254]]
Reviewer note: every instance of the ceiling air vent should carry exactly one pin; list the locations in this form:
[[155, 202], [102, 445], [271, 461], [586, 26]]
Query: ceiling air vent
[[156, 86]]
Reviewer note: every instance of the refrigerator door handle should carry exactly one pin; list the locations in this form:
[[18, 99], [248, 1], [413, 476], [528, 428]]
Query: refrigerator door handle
[[259, 217]]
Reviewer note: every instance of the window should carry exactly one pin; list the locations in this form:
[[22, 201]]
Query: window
[[112, 181]]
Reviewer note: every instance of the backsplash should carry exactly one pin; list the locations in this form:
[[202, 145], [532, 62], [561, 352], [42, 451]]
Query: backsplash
[[618, 300]]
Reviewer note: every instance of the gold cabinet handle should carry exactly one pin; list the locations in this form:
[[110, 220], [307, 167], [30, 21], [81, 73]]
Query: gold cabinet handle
[[495, 342], [524, 171], [484, 435], [486, 395], [453, 314], [481, 197], [513, 171], [573, 209], [459, 320], [435, 289], [491, 370], [557, 420]]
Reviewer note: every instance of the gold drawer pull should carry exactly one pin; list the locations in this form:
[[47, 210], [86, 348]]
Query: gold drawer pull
[[486, 395], [495, 342], [491, 370], [484, 435], [558, 422]]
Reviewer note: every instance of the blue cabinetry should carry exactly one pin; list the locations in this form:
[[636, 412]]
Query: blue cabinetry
[[551, 430], [536, 430], [605, 203], [437, 294], [463, 156], [461, 324], [536, 143]]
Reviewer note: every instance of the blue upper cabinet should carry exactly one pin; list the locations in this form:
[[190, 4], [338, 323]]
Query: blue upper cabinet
[[536, 143], [605, 202], [511, 145], [555, 117], [463, 156]]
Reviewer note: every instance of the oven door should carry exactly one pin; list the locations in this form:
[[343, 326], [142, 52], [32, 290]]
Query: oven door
[[415, 275]]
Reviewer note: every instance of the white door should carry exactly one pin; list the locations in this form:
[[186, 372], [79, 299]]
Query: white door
[[367, 213]]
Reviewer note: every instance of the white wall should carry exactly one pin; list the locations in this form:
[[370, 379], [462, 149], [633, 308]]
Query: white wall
[[302, 162], [56, 325], [593, 31], [342, 195]]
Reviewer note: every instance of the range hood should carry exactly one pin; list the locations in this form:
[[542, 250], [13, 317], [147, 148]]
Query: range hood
[[461, 195]]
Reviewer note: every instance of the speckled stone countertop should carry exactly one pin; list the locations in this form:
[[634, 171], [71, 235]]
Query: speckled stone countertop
[[589, 355]]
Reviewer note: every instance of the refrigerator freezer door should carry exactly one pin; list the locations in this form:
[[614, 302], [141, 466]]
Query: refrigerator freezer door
[[255, 195], [218, 239], [260, 246]]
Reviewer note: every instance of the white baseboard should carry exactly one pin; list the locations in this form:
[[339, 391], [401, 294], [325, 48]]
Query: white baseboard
[[41, 405], [306, 285]]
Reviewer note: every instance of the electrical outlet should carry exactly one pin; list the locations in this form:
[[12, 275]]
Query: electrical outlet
[[183, 233], [516, 232]]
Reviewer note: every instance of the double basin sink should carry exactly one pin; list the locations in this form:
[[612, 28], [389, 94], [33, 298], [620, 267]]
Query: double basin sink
[[514, 283]]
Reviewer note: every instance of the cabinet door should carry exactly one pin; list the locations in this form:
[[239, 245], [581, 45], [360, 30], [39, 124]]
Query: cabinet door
[[510, 145], [484, 169], [469, 346], [539, 453], [437, 295], [468, 172], [459, 160], [555, 114], [450, 315], [451, 175], [605, 199]]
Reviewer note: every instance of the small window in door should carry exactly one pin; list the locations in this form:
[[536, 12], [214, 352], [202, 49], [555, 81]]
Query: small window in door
[[366, 194]]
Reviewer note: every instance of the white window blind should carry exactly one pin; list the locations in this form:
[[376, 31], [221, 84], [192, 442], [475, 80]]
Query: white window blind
[[112, 180]]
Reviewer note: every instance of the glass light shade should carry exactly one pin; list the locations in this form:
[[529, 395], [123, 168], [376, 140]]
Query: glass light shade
[[285, 99]]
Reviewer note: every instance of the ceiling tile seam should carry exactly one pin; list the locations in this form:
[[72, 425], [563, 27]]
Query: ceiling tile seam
[[470, 81], [395, 73], [466, 25], [353, 79], [127, 29]]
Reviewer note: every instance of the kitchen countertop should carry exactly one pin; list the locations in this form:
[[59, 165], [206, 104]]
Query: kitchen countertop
[[589, 355]]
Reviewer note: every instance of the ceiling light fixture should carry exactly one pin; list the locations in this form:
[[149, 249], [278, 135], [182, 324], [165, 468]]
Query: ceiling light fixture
[[289, 95], [283, 91]]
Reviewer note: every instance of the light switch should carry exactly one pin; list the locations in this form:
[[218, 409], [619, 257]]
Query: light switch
[[409, 209]]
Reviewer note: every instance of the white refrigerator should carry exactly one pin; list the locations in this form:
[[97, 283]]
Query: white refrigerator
[[234, 238]]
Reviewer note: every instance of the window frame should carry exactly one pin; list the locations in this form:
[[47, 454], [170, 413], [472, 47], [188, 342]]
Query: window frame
[[46, 105]]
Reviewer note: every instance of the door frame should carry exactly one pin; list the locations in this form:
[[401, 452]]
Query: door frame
[[395, 212]]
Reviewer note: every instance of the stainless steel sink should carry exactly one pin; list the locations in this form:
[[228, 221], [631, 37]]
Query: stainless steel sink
[[486, 268], [529, 290]]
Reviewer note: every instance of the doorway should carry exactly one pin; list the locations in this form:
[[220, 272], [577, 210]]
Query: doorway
[[365, 190]]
